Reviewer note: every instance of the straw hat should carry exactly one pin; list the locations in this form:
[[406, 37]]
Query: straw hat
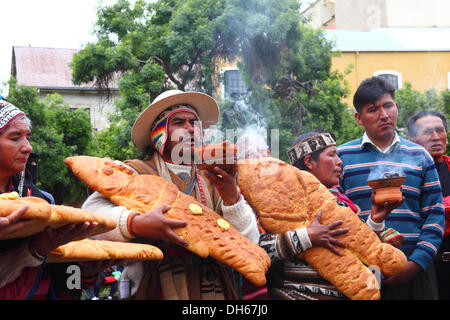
[[207, 110]]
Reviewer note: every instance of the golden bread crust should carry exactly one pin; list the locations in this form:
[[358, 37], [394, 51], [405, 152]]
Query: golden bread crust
[[287, 198], [45, 215], [142, 193], [91, 250]]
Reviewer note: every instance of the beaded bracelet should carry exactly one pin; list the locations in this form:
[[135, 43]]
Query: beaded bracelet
[[129, 221]]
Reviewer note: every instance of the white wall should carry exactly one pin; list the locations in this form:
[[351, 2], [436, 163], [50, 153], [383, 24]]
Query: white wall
[[99, 105]]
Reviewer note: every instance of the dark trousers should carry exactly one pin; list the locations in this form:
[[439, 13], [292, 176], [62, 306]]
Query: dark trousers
[[423, 286], [443, 271]]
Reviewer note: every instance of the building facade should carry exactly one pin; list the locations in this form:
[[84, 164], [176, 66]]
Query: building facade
[[48, 70]]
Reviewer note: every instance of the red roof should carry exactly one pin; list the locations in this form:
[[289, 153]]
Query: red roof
[[45, 67]]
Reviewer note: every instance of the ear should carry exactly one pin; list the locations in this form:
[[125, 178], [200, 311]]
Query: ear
[[308, 161], [358, 118]]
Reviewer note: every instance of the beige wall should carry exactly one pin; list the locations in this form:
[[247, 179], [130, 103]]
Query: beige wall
[[370, 14], [99, 106], [423, 70], [321, 12], [360, 14], [418, 13]]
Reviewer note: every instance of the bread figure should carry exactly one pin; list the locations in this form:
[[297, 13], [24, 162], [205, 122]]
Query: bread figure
[[45, 215], [89, 250], [207, 232], [222, 155], [288, 198]]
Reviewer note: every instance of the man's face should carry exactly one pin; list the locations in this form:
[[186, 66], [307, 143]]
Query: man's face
[[379, 119], [431, 134], [183, 131]]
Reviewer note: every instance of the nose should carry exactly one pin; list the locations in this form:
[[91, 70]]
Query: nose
[[190, 127], [339, 161], [26, 146], [435, 135], [383, 113]]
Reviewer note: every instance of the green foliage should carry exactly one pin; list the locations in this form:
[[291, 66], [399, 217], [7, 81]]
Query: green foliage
[[411, 101], [57, 133], [286, 66], [115, 142], [150, 47], [155, 46]]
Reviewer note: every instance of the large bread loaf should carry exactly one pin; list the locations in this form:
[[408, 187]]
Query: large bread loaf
[[42, 214], [91, 250], [288, 198], [205, 232]]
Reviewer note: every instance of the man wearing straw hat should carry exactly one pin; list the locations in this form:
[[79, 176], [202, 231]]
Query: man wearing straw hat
[[166, 132]]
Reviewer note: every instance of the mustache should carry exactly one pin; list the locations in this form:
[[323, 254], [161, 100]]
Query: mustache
[[184, 136]]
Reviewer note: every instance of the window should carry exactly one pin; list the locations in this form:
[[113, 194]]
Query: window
[[393, 77], [233, 86], [85, 109]]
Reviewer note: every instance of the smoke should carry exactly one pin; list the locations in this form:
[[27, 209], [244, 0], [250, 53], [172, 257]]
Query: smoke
[[391, 164], [251, 133]]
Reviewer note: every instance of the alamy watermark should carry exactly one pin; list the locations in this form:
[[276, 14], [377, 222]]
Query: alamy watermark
[[251, 145], [74, 279], [374, 282]]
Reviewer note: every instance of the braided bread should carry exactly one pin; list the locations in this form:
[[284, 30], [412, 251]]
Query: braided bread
[[288, 198]]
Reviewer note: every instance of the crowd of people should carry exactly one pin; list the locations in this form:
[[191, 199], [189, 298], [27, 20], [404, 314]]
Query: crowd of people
[[166, 132]]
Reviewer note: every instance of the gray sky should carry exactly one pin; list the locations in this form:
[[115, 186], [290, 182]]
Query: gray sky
[[44, 23]]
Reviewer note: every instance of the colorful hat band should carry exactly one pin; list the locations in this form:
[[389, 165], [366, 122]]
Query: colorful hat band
[[310, 145], [8, 113]]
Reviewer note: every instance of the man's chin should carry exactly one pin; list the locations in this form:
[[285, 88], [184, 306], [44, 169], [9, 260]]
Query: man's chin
[[386, 134]]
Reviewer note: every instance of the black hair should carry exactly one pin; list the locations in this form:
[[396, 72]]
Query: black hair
[[147, 152], [370, 90], [412, 127], [300, 163]]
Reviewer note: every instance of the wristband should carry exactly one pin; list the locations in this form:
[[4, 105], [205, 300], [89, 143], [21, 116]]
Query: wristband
[[130, 221], [375, 226]]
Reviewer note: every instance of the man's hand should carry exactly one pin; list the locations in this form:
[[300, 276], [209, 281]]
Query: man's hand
[[322, 235], [155, 225], [380, 212], [407, 274], [46, 241], [225, 185], [12, 222]]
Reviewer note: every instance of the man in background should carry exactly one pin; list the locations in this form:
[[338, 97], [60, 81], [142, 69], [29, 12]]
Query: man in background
[[421, 216], [429, 129]]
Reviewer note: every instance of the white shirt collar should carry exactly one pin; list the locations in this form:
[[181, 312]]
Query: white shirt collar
[[366, 139], [179, 168]]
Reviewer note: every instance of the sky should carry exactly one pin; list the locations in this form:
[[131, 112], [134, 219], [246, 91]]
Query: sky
[[44, 23]]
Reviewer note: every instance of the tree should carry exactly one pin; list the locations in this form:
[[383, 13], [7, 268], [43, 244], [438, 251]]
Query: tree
[[57, 133], [286, 67], [411, 101], [151, 47], [167, 44]]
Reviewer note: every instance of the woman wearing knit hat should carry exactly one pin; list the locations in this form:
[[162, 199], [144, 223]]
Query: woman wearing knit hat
[[23, 271]]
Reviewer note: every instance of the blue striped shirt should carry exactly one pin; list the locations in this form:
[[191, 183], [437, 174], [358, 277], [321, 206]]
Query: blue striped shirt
[[421, 217]]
